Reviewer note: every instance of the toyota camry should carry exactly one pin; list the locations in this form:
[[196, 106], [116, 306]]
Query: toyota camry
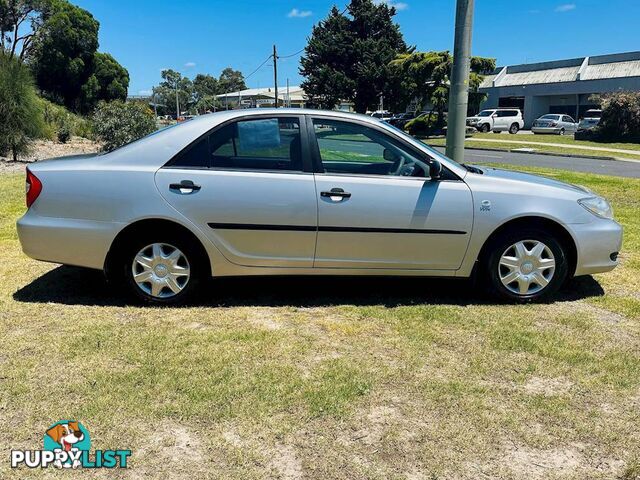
[[307, 192]]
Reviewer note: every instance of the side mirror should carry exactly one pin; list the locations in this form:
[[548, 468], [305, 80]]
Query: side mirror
[[435, 170]]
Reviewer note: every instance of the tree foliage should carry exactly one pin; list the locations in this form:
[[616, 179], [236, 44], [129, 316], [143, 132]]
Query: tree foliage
[[118, 123], [19, 107], [20, 22], [348, 56], [425, 76], [231, 81], [63, 53], [620, 119], [109, 81]]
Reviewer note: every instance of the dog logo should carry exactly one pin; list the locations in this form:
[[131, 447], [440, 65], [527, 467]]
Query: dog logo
[[66, 445], [70, 437]]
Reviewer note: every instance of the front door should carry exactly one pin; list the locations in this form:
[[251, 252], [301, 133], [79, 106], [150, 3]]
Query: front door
[[247, 186], [377, 207]]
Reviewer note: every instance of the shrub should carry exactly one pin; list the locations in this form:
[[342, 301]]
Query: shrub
[[425, 125], [620, 117], [60, 124], [118, 123], [20, 111]]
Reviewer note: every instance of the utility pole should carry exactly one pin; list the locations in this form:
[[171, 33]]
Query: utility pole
[[288, 102], [459, 88], [275, 72], [177, 102]]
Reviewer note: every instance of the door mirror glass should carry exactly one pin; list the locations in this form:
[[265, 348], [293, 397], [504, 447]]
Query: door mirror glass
[[435, 170]]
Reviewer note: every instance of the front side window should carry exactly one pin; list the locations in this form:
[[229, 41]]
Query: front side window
[[346, 147], [486, 113]]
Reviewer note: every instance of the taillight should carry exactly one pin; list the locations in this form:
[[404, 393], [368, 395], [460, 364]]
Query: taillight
[[34, 187]]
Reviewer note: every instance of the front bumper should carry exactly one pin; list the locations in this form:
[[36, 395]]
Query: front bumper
[[82, 243], [596, 242]]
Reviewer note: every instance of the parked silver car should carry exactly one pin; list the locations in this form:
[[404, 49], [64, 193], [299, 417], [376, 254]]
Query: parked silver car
[[281, 192], [554, 123]]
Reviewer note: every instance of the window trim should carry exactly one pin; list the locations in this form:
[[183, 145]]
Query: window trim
[[448, 175], [307, 166]]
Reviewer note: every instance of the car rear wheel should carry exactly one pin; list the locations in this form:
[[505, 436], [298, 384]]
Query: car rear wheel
[[513, 129], [163, 270], [526, 265]]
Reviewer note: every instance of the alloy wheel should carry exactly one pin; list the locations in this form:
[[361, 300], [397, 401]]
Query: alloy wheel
[[160, 270], [526, 267]]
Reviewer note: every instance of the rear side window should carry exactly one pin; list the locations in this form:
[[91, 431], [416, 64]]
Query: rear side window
[[263, 144]]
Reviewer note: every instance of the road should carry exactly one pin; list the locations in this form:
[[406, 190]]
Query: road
[[587, 165]]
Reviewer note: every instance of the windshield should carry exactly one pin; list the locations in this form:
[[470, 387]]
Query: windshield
[[160, 130], [549, 117], [485, 113]]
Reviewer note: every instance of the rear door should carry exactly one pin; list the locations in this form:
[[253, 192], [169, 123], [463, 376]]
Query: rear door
[[249, 185], [377, 209]]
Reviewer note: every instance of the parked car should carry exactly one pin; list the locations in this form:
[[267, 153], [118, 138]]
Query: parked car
[[384, 115], [590, 120], [554, 123], [497, 120], [278, 192], [400, 120]]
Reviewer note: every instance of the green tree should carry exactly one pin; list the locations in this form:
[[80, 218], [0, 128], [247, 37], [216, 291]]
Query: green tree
[[20, 22], [118, 123], [348, 56], [109, 81], [231, 81], [63, 53], [20, 109], [425, 77], [205, 88]]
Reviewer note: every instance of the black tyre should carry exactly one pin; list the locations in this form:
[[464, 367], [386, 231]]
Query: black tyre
[[484, 128], [561, 132], [162, 269], [525, 265], [513, 129]]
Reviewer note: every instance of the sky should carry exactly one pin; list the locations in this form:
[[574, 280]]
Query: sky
[[205, 36]]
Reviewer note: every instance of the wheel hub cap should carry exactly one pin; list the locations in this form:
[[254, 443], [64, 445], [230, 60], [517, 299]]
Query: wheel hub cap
[[526, 267], [160, 270]]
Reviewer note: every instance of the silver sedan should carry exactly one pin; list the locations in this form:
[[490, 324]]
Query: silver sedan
[[555, 124], [307, 192]]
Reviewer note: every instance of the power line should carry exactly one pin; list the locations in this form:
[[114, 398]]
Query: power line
[[292, 55], [261, 65]]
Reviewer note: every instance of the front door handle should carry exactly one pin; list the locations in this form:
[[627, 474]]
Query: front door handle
[[185, 187], [336, 194]]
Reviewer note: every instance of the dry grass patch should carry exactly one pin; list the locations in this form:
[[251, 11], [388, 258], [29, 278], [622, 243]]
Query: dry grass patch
[[303, 378]]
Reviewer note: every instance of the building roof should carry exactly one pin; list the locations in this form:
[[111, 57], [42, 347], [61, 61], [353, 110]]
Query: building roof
[[296, 93], [599, 67]]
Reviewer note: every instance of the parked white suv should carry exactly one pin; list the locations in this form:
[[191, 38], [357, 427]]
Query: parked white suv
[[497, 120]]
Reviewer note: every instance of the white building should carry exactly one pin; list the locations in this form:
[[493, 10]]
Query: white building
[[293, 97]]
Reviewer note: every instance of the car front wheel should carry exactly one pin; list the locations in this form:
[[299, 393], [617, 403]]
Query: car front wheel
[[484, 128], [162, 271], [526, 265]]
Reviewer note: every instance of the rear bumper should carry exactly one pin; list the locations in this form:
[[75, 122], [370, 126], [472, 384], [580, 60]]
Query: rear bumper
[[82, 243], [596, 242], [551, 130]]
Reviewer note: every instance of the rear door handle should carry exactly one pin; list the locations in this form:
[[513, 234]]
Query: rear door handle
[[185, 187], [335, 194]]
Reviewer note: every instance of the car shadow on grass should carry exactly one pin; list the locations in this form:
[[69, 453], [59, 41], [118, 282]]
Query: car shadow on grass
[[78, 286]]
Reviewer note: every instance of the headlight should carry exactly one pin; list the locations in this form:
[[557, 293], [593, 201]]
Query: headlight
[[598, 206]]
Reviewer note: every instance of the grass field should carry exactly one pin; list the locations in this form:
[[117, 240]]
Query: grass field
[[318, 378], [540, 143]]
